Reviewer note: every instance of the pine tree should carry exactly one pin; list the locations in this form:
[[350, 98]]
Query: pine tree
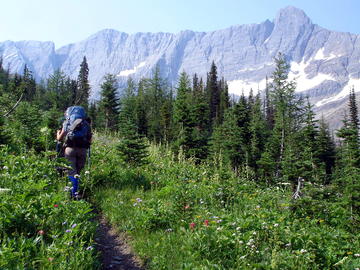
[[4, 135], [83, 90], [349, 179], [213, 91], [141, 109], [183, 122], [326, 150], [287, 122], [132, 147], [109, 103]]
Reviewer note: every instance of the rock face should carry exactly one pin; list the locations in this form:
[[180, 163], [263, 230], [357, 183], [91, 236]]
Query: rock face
[[325, 64]]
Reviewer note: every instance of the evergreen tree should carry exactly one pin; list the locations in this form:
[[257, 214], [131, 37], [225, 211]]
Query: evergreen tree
[[287, 122], [109, 103], [213, 91], [349, 176], [141, 109], [183, 122], [326, 150], [83, 90], [156, 93]]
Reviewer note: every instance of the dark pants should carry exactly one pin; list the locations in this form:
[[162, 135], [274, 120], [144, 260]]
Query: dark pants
[[77, 158]]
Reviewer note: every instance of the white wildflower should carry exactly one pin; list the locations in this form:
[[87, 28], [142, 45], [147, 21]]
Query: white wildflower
[[5, 167], [276, 225], [303, 250]]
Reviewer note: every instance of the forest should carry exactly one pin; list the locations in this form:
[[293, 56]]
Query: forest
[[197, 178]]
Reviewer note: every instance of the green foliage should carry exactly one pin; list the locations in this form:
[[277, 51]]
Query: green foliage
[[221, 221], [109, 104], [83, 86], [40, 227]]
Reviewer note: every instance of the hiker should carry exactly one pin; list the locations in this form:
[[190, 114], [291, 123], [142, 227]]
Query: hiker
[[76, 134]]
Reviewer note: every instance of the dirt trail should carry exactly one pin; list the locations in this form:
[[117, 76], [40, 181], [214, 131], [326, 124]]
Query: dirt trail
[[116, 254]]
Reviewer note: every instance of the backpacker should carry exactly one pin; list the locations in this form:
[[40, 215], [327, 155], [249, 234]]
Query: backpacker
[[77, 128]]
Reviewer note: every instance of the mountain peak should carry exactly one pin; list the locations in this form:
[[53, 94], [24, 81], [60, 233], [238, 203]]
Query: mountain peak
[[292, 14]]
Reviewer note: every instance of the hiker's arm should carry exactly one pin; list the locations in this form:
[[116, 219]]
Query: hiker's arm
[[60, 134]]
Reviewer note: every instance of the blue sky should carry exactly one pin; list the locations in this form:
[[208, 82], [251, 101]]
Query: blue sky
[[67, 21]]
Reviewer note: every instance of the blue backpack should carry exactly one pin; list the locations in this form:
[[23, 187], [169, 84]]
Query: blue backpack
[[77, 127]]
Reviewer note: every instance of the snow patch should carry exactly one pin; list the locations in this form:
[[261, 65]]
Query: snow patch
[[343, 93], [256, 68], [320, 55], [297, 73], [125, 73], [238, 87], [10, 56]]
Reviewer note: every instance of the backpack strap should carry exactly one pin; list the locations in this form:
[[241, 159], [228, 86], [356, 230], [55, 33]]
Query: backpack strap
[[75, 124]]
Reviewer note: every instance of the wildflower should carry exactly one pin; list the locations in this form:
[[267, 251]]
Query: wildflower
[[87, 172], [23, 157], [70, 243], [303, 250], [288, 245], [201, 201], [276, 225], [138, 200], [169, 230], [56, 205], [219, 220], [41, 232], [50, 259], [67, 188], [74, 225], [241, 242], [258, 207], [186, 206], [135, 204], [218, 228], [89, 248], [5, 167], [357, 255], [68, 231], [206, 222], [243, 257], [238, 228], [192, 225], [254, 233], [64, 223]]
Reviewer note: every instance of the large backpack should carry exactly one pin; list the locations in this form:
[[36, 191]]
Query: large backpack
[[77, 128]]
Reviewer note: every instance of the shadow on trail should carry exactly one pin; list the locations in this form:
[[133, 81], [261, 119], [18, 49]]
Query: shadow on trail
[[115, 252]]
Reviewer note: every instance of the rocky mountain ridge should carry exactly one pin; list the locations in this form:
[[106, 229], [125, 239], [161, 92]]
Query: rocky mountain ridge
[[325, 64]]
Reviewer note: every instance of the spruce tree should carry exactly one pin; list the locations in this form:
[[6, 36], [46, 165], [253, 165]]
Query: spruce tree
[[183, 122], [83, 90], [109, 103], [213, 92]]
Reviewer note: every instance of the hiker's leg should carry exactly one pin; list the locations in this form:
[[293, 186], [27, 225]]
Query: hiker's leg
[[70, 155], [80, 159]]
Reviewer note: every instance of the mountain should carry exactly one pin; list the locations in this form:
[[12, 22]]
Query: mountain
[[325, 64]]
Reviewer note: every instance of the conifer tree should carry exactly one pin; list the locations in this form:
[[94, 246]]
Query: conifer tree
[[142, 109], [213, 91], [349, 178], [326, 150], [109, 103], [83, 90], [183, 122], [287, 122]]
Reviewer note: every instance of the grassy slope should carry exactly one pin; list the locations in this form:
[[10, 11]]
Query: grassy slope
[[40, 227], [186, 216]]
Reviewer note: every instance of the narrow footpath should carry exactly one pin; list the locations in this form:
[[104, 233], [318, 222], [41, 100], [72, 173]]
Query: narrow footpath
[[116, 254]]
